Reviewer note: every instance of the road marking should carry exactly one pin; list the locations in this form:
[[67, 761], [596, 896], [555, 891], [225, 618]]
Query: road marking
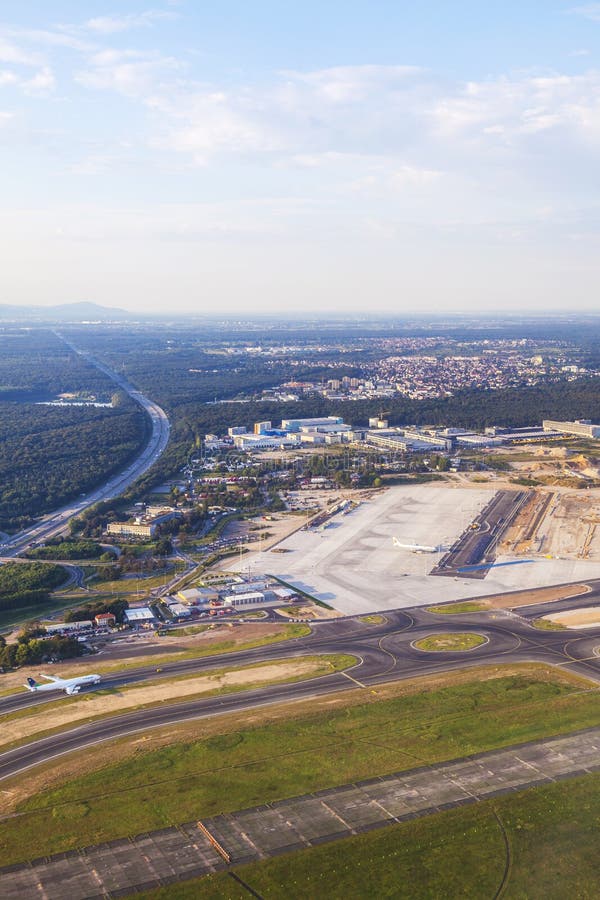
[[574, 659], [355, 680]]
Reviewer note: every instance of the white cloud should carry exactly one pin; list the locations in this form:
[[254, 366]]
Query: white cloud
[[351, 84], [7, 78], [588, 10], [128, 72], [42, 82], [12, 53], [105, 25], [412, 176]]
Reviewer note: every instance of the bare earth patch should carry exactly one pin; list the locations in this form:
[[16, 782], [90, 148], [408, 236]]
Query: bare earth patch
[[97, 703], [309, 611], [577, 618], [139, 649], [536, 595]]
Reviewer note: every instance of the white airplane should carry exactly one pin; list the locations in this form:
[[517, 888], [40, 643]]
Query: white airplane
[[68, 685], [416, 548]]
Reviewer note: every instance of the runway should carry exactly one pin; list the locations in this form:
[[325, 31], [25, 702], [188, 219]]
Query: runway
[[385, 654]]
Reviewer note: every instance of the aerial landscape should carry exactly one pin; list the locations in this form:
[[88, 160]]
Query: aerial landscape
[[299, 451]]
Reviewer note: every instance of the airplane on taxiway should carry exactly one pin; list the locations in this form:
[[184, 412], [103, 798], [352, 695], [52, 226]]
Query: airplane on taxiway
[[68, 685]]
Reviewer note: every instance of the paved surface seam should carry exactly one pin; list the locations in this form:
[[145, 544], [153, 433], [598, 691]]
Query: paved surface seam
[[121, 867]]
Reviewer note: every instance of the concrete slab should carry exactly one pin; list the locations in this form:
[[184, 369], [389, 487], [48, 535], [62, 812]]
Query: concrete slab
[[173, 853], [354, 566]]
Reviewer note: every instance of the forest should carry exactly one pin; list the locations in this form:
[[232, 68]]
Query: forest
[[29, 648], [67, 549], [28, 584], [36, 366], [50, 455]]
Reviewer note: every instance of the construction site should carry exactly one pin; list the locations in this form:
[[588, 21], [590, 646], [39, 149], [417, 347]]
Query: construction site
[[556, 525]]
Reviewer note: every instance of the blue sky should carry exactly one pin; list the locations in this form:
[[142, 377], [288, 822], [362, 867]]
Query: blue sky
[[301, 157]]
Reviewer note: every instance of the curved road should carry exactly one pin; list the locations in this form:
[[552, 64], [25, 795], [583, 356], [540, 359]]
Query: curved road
[[385, 653], [56, 522]]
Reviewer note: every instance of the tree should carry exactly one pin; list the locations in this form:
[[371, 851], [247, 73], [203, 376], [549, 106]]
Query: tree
[[164, 547]]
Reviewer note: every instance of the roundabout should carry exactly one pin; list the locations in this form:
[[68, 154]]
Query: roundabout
[[452, 642]]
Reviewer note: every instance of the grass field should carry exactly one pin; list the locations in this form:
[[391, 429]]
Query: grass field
[[454, 609], [551, 833], [547, 625], [356, 738], [58, 601], [375, 619], [450, 643]]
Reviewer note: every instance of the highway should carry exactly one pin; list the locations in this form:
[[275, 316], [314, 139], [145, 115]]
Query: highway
[[56, 522], [385, 653]]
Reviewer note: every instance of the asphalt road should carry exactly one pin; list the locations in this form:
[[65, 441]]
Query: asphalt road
[[385, 652], [56, 522]]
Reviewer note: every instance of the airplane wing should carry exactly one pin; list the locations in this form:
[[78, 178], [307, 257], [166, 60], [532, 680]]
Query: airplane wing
[[50, 677]]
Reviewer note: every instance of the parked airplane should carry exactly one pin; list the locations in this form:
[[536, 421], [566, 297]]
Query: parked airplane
[[69, 685], [417, 548]]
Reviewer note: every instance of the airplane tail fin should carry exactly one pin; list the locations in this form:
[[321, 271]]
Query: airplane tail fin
[[31, 685]]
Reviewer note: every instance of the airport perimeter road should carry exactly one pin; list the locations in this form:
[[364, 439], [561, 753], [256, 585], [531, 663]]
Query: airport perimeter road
[[386, 653], [56, 522]]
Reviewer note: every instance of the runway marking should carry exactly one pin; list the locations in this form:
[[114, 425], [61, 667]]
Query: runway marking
[[355, 680], [573, 659]]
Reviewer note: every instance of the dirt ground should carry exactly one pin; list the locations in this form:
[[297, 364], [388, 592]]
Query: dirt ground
[[99, 703], [556, 523], [310, 611], [269, 532], [537, 595], [577, 618]]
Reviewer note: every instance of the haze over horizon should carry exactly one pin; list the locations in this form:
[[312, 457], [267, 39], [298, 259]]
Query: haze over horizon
[[357, 158]]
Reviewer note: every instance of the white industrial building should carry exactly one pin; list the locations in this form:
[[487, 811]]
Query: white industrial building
[[580, 427], [298, 424], [252, 600], [140, 616]]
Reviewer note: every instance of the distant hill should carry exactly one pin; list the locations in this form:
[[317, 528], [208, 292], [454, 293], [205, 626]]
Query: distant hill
[[64, 312]]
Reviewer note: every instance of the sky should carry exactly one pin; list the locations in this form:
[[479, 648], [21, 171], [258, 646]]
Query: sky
[[291, 157]]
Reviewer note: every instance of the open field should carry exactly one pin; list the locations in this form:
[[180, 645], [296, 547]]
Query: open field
[[354, 566], [538, 843], [23, 725], [265, 756]]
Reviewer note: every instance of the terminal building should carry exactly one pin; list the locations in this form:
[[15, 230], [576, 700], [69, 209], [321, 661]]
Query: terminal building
[[131, 529], [579, 428], [299, 424]]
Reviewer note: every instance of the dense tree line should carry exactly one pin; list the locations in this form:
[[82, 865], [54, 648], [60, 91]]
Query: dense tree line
[[28, 584], [31, 647], [50, 455], [96, 608], [62, 548], [35, 365]]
